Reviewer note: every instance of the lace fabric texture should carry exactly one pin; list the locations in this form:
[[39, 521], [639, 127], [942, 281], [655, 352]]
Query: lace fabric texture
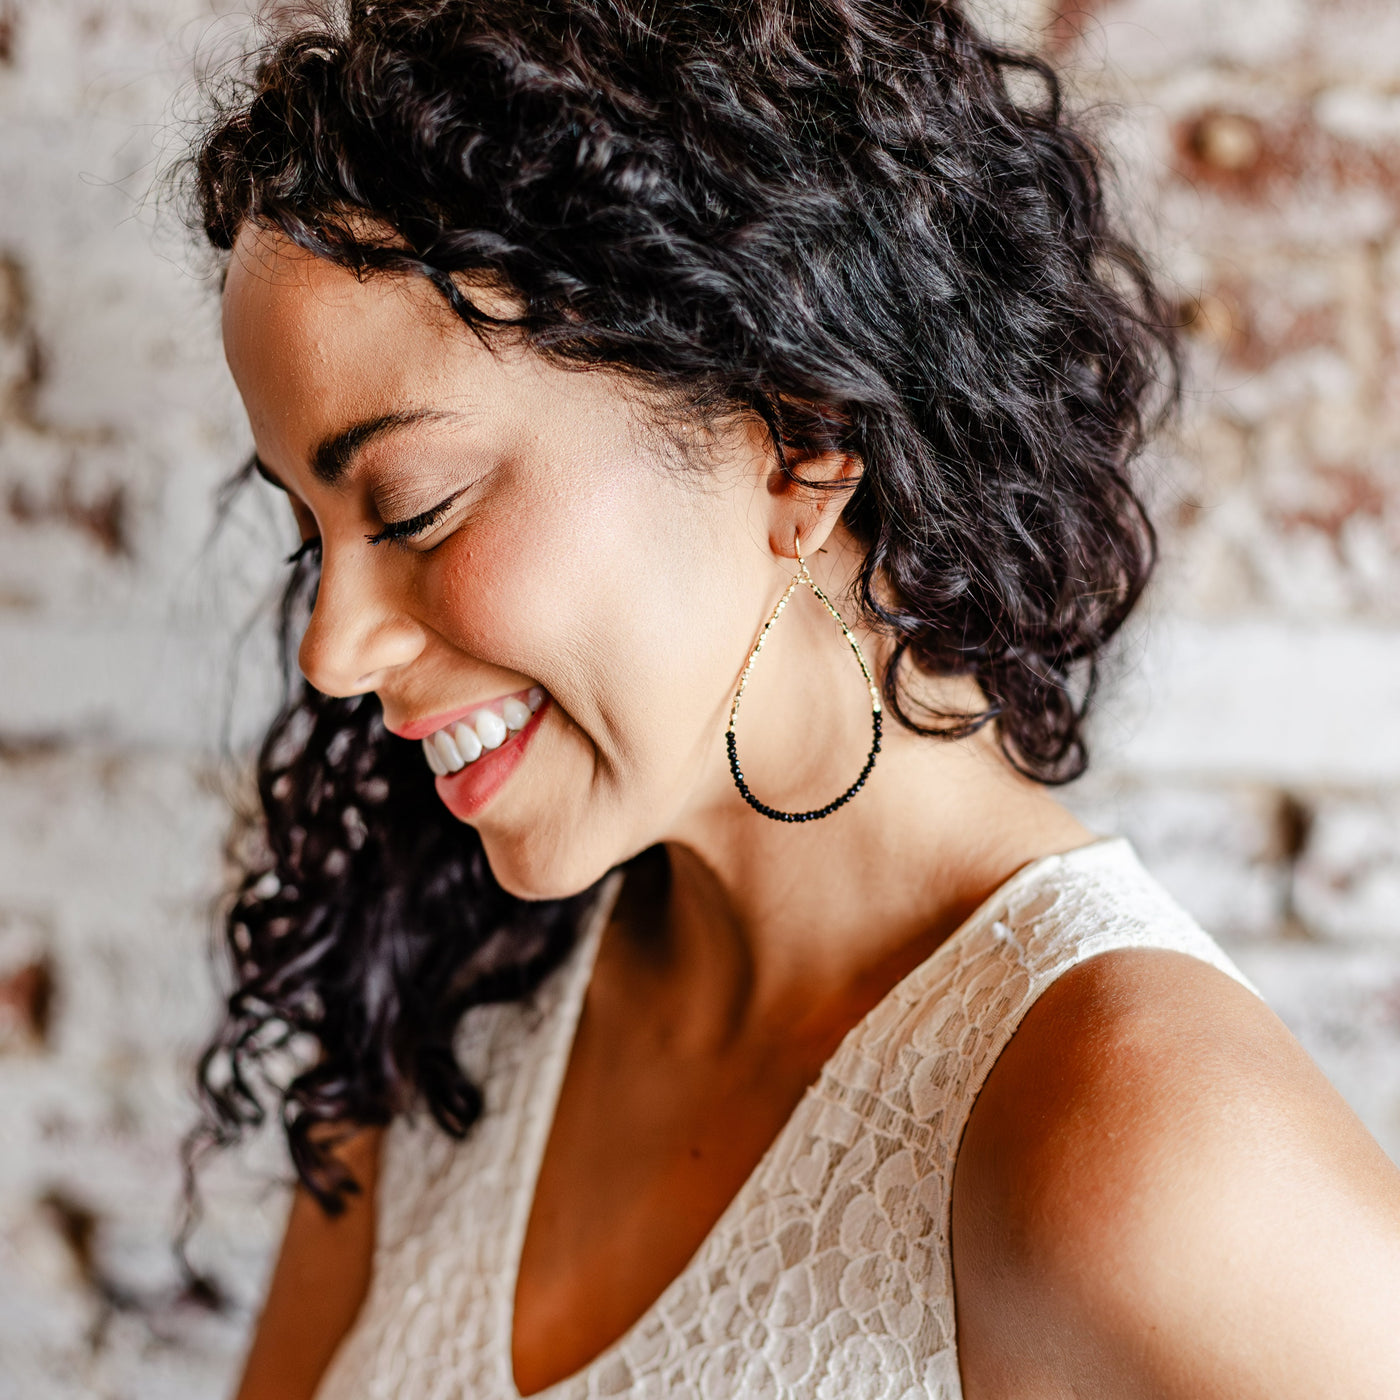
[[829, 1276]]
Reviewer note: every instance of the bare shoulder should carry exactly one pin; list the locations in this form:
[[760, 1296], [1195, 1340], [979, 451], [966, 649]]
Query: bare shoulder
[[1159, 1194], [320, 1280]]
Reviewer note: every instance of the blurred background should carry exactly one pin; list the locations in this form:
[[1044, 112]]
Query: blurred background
[[1249, 740]]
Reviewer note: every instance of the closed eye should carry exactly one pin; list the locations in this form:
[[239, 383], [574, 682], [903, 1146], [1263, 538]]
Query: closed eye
[[415, 525]]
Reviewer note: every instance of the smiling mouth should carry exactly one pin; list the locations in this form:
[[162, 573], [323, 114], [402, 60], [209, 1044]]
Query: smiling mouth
[[458, 745]]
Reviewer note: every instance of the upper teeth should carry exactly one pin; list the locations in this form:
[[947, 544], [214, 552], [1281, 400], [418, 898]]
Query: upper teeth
[[454, 746]]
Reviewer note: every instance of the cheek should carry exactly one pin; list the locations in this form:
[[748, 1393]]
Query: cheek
[[489, 602], [536, 572], [527, 587], [614, 598]]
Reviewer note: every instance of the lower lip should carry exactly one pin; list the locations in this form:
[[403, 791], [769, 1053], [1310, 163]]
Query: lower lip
[[466, 792]]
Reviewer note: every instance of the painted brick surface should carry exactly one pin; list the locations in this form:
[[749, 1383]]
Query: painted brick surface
[[1251, 748], [1249, 745], [116, 422]]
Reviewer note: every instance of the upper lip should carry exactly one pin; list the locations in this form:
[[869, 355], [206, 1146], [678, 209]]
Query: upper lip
[[430, 724]]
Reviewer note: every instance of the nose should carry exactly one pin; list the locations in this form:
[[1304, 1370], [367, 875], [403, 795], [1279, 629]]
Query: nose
[[359, 629]]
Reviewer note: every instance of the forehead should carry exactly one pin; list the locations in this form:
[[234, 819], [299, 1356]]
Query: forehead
[[313, 349], [286, 312]]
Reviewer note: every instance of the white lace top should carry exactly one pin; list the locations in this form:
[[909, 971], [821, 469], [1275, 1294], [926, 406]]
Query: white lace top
[[829, 1276]]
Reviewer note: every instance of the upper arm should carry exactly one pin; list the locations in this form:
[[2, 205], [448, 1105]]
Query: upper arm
[[319, 1282], [1159, 1194]]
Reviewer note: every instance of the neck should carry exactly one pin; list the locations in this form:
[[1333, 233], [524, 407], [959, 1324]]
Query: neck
[[773, 924]]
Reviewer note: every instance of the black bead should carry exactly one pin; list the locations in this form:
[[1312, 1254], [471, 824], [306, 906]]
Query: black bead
[[731, 743]]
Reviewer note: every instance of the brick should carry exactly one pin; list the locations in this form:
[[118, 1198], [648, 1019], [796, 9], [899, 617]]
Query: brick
[[1348, 878], [1263, 701], [1224, 851], [89, 1180], [26, 993]]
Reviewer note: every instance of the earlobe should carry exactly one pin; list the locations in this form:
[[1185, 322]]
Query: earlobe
[[808, 494]]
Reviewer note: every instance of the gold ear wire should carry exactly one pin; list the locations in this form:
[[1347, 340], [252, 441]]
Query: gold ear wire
[[876, 719]]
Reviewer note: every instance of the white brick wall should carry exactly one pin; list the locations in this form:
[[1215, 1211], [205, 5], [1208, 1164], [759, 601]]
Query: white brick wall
[[116, 422], [1250, 746]]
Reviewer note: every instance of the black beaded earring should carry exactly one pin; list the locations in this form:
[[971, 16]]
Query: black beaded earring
[[731, 743]]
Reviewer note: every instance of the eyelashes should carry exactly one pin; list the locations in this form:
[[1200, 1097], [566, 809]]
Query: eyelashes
[[395, 530], [308, 549], [415, 525]]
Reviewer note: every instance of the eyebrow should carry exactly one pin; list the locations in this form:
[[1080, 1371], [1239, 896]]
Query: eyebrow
[[334, 455]]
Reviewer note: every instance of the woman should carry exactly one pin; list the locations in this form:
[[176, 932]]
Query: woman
[[695, 996]]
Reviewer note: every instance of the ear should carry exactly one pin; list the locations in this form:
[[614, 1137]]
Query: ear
[[806, 499]]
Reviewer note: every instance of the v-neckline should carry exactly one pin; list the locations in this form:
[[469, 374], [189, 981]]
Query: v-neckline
[[578, 974]]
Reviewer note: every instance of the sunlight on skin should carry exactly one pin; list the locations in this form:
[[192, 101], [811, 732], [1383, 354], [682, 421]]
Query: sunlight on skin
[[573, 551], [579, 555], [580, 558]]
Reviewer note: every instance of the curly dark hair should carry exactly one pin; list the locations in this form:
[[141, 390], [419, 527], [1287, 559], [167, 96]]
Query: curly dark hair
[[859, 220]]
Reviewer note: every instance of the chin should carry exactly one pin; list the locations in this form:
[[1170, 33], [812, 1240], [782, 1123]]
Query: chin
[[539, 867]]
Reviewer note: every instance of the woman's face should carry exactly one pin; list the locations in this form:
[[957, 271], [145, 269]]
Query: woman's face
[[539, 541]]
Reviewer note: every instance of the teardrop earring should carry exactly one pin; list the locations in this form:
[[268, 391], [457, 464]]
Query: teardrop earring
[[731, 742]]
